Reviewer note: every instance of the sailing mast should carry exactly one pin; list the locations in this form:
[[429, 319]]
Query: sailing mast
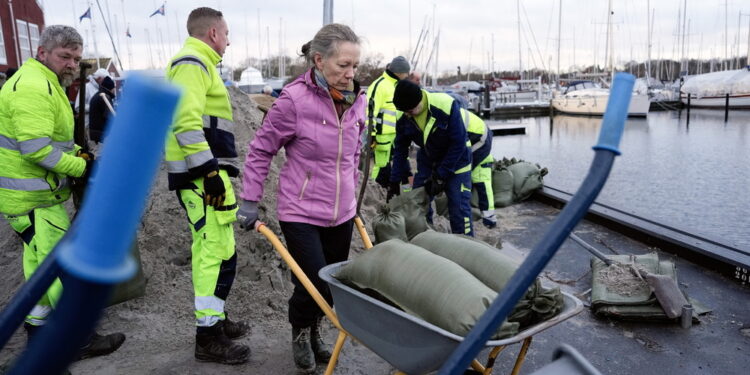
[[520, 64]]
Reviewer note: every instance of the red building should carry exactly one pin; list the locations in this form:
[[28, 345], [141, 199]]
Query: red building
[[21, 22]]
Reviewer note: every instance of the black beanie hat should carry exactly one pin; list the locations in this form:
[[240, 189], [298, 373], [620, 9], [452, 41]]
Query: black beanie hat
[[407, 95]]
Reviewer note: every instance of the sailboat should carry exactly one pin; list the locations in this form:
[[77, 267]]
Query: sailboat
[[587, 98]]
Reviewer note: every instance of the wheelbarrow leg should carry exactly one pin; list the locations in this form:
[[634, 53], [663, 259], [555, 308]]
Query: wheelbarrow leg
[[491, 359], [335, 355], [521, 355]]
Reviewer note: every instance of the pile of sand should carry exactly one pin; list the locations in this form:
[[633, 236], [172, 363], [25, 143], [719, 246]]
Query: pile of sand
[[160, 325]]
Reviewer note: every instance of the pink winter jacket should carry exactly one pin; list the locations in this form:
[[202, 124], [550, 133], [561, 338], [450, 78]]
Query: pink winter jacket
[[318, 181]]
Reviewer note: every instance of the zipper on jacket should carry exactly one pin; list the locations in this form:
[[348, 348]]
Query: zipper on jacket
[[338, 159], [304, 185]]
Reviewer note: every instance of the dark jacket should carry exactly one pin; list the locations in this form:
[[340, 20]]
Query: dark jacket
[[446, 143], [98, 114]]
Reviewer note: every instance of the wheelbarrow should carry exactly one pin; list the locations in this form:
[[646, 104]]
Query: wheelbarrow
[[406, 342]]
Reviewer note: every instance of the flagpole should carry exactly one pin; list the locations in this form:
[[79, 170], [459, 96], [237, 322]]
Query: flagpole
[[166, 21], [150, 53], [117, 55], [93, 36], [73, 6], [127, 41]]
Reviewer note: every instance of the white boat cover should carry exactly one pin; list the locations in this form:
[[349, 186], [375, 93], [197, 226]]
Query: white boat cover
[[734, 82]]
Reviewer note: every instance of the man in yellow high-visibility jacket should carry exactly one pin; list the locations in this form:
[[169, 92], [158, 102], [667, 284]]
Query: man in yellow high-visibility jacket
[[38, 158], [382, 116], [201, 157]]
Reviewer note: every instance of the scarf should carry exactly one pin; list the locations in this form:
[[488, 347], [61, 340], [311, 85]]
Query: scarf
[[344, 97]]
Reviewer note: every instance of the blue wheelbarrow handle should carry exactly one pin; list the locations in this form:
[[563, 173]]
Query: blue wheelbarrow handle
[[605, 152]]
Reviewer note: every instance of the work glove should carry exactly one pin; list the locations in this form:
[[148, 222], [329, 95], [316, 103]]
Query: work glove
[[85, 155], [434, 185], [213, 189], [247, 215], [394, 189]]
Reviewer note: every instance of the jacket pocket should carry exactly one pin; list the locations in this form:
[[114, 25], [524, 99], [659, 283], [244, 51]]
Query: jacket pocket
[[304, 185]]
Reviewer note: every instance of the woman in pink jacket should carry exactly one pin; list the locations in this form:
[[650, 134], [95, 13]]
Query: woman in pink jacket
[[318, 119]]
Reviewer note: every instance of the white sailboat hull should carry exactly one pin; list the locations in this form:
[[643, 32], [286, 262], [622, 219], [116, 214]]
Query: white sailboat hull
[[596, 105]]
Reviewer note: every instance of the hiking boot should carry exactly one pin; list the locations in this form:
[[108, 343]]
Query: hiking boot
[[101, 345], [319, 347], [235, 330], [489, 219], [304, 358], [213, 345]]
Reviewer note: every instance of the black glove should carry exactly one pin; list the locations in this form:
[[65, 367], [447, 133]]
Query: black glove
[[434, 185], [213, 189], [394, 189], [247, 215], [89, 168]]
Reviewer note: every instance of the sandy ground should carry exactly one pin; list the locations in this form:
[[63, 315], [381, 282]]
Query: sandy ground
[[160, 325]]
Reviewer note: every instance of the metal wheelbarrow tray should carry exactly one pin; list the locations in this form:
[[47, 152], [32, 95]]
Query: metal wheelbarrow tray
[[409, 343]]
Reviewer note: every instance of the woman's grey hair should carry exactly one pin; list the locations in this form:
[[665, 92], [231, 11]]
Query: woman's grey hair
[[55, 36], [326, 41]]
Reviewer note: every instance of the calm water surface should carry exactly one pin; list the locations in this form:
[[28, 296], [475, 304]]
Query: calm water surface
[[694, 176]]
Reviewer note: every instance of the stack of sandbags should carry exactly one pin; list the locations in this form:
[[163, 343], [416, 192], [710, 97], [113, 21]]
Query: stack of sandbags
[[412, 205], [425, 285], [494, 269], [448, 280], [513, 181]]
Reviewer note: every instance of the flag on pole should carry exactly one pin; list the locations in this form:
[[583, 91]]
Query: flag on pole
[[158, 11], [86, 14], [127, 32]]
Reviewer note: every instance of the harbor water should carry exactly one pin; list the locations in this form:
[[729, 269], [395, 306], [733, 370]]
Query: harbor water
[[692, 175]]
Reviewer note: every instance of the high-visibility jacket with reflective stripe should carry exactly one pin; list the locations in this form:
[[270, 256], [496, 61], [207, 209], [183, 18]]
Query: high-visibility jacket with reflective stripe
[[37, 152], [202, 136], [382, 112], [444, 139], [479, 133]]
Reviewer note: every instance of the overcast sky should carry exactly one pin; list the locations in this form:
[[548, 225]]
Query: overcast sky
[[391, 27]]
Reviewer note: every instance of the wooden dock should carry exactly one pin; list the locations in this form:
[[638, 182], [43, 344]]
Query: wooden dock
[[507, 129]]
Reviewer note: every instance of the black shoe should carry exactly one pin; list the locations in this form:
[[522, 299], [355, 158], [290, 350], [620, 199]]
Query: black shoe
[[31, 331], [101, 345], [213, 345], [319, 347], [304, 358], [235, 330]]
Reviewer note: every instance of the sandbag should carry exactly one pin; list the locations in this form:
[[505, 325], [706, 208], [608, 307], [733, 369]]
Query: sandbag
[[527, 178], [502, 187], [494, 269], [389, 225], [425, 285], [133, 288], [413, 206]]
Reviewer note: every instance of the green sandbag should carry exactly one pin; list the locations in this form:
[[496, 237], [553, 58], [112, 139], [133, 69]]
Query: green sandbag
[[527, 178], [494, 269], [502, 187], [136, 286], [389, 225], [413, 206], [425, 285]]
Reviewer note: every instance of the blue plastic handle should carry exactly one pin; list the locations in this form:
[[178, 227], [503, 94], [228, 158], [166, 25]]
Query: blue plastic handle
[[616, 114], [98, 252]]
